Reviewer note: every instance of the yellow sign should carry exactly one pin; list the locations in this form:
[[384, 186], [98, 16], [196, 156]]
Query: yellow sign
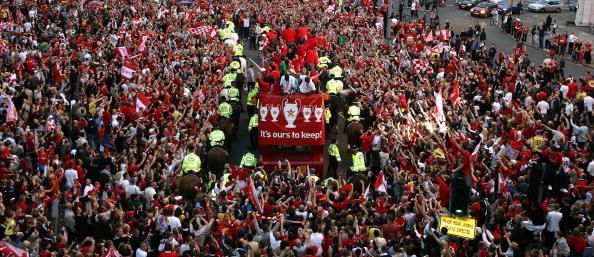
[[457, 226]]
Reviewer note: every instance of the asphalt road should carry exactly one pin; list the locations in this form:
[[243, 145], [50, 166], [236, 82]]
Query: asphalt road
[[459, 20]]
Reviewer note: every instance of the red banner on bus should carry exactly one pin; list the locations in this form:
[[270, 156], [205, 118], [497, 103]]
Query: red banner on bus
[[291, 120]]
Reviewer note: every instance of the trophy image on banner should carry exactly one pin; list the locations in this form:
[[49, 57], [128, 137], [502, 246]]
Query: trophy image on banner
[[306, 112], [290, 111], [318, 111], [263, 112], [274, 112]]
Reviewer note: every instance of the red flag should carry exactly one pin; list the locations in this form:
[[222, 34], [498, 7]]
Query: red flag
[[380, 183], [253, 195], [142, 102], [57, 73], [12, 115], [94, 4], [429, 37], [142, 44], [455, 94], [128, 70], [474, 154], [445, 35], [200, 30], [122, 52], [502, 186], [8, 249]]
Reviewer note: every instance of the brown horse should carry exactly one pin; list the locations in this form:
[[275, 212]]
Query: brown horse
[[354, 132], [187, 186], [356, 181], [228, 127], [217, 158]]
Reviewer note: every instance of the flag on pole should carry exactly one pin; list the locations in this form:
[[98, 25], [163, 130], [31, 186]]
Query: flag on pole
[[122, 52], [128, 70], [142, 102], [502, 186], [438, 113], [474, 154], [380, 183], [445, 35], [12, 115]]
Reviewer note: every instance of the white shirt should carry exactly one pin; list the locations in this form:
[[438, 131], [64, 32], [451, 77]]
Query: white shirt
[[591, 170], [543, 107], [132, 190], [140, 253], [288, 86], [305, 87], [588, 101], [564, 89], [571, 39], [316, 239], [71, 175], [174, 222], [553, 220]]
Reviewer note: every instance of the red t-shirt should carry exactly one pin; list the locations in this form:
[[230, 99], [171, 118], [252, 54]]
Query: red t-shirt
[[288, 35], [168, 254], [444, 191], [365, 143]]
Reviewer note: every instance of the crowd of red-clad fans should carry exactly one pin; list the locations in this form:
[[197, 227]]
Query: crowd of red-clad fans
[[456, 127]]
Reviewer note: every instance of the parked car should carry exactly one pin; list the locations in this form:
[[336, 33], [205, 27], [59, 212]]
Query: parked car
[[574, 5], [546, 6], [485, 9], [467, 4]]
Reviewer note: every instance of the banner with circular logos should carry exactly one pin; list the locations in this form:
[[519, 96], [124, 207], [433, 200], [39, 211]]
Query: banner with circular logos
[[291, 120]]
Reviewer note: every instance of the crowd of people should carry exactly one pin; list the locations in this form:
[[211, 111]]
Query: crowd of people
[[105, 103]]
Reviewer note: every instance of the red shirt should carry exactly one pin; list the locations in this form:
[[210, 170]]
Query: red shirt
[[444, 191], [365, 143], [168, 254], [577, 244]]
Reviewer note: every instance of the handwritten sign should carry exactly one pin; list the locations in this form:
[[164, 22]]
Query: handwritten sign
[[458, 226]]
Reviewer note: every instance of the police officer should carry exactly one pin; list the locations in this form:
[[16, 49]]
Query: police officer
[[358, 162], [233, 95], [191, 162], [216, 138], [329, 120], [253, 129], [238, 50], [225, 110], [336, 71], [229, 78], [354, 115], [323, 62], [334, 86], [248, 161], [252, 100], [333, 158]]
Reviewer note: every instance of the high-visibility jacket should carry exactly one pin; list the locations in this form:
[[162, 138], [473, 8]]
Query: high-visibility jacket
[[333, 86], [354, 113], [336, 71], [251, 97], [358, 162], [233, 94], [230, 26], [191, 162], [323, 62], [235, 65], [333, 151], [229, 78], [253, 122], [328, 115], [216, 137], [329, 181], [225, 110], [248, 160], [238, 50], [224, 34]]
